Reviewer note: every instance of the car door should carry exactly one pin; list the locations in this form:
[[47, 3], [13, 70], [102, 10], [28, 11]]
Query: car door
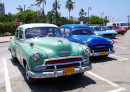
[[18, 44]]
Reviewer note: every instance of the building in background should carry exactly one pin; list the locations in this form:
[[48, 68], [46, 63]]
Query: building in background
[[2, 8]]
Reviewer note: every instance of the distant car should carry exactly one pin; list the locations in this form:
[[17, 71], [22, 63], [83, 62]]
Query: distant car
[[99, 45], [100, 30], [119, 29], [44, 53], [123, 25], [109, 29]]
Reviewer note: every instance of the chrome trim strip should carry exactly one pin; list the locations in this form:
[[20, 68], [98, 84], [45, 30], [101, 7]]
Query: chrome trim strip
[[58, 73], [85, 60], [64, 52], [98, 54]]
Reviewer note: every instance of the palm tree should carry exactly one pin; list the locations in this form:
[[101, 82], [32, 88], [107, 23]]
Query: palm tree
[[39, 2], [81, 13], [69, 5], [56, 6], [20, 8]]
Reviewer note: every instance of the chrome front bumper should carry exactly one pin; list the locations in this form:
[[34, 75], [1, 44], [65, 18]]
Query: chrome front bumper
[[58, 73], [98, 54]]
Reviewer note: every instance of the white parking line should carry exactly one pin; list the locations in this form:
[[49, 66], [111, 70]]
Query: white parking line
[[118, 90], [109, 82], [101, 78], [8, 87], [120, 58]]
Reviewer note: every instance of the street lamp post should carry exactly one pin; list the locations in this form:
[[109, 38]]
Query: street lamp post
[[108, 17], [112, 19], [88, 12], [102, 14]]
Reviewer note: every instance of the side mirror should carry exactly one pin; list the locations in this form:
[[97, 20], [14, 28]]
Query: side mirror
[[32, 45], [10, 38], [68, 35], [64, 36]]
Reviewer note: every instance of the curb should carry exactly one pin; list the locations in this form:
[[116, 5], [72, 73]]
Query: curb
[[4, 42]]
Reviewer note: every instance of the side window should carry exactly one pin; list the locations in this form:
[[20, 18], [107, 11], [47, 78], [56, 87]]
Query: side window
[[20, 34], [16, 33], [67, 31], [62, 30]]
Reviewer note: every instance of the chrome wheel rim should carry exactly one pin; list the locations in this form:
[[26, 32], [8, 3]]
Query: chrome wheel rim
[[27, 76]]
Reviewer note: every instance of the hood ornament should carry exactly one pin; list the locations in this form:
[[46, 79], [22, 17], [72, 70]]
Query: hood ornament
[[64, 52]]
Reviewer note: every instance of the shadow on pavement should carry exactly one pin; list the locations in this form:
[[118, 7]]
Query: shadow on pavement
[[101, 59], [59, 84]]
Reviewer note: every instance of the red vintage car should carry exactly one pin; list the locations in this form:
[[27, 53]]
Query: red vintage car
[[119, 29]]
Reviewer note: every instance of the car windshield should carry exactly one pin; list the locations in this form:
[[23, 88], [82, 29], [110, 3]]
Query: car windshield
[[107, 28], [42, 31], [99, 29], [117, 27], [82, 31]]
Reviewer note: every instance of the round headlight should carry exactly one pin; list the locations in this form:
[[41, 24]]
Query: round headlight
[[86, 43], [36, 57], [87, 51], [111, 42], [80, 41]]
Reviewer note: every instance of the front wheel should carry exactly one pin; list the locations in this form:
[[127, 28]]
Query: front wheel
[[14, 58], [123, 33], [28, 78]]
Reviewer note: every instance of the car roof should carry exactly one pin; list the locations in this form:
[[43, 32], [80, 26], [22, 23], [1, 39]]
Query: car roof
[[31, 25], [70, 26]]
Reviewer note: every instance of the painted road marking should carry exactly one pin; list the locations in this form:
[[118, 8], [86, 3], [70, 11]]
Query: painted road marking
[[109, 82], [103, 79], [7, 81], [118, 90], [8, 87], [119, 58]]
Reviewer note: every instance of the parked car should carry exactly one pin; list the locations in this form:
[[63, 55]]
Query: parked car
[[122, 25], [44, 53], [99, 45], [100, 30], [119, 29], [109, 29]]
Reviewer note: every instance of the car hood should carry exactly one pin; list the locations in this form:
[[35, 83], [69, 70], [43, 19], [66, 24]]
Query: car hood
[[120, 29], [91, 39], [53, 46], [112, 31], [104, 32]]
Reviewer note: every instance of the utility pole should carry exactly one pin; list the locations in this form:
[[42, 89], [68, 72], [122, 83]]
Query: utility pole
[[128, 19]]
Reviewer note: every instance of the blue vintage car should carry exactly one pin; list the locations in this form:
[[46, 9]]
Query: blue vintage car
[[101, 30], [99, 45]]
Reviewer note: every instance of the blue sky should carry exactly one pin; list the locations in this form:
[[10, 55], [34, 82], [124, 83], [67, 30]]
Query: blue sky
[[118, 10]]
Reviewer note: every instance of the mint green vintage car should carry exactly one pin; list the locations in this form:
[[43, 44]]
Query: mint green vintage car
[[44, 53]]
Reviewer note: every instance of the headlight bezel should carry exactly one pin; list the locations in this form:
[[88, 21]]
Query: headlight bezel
[[111, 42], [36, 57], [86, 43], [87, 51]]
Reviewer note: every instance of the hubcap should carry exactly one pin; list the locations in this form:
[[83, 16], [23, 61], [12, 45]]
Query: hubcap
[[27, 76]]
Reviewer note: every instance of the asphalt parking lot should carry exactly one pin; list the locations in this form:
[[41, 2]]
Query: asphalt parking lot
[[109, 74]]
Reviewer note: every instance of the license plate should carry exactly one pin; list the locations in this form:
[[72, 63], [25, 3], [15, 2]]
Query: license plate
[[102, 53], [68, 71]]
